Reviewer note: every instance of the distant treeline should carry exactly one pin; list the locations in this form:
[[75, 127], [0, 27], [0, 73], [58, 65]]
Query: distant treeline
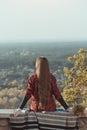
[[25, 53]]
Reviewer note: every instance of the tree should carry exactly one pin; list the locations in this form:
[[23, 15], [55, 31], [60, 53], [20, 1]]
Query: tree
[[75, 85]]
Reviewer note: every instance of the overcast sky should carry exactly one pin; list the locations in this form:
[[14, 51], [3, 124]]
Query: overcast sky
[[33, 20]]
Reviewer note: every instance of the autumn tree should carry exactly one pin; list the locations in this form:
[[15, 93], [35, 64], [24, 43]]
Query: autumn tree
[[75, 85]]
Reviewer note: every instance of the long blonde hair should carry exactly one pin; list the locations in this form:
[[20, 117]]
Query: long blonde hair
[[43, 74]]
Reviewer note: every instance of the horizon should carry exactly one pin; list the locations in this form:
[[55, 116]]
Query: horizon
[[43, 41]]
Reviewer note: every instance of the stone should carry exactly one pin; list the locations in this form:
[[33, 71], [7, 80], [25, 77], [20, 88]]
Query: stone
[[4, 124], [82, 123]]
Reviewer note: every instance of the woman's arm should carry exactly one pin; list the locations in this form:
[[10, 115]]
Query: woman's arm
[[58, 95], [26, 97]]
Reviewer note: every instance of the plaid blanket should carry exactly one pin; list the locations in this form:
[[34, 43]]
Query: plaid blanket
[[44, 121]]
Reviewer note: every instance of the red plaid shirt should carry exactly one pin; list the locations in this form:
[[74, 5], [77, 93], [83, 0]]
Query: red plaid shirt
[[32, 92]]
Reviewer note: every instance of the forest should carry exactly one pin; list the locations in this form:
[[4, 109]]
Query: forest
[[17, 63]]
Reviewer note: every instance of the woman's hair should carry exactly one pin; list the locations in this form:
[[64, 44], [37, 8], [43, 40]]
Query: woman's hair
[[43, 74]]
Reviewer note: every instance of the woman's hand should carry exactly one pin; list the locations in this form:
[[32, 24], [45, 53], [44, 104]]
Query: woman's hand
[[17, 112], [70, 110]]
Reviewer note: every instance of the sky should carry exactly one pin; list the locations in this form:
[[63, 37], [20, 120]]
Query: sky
[[43, 20]]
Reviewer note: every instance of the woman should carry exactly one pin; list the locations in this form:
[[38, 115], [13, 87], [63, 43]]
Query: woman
[[41, 88]]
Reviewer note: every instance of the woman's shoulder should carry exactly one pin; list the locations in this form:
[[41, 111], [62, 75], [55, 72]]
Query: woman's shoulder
[[33, 76], [52, 77]]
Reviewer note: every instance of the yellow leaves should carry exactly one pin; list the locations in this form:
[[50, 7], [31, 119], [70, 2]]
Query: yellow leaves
[[78, 72], [13, 83], [84, 93], [81, 51], [69, 59], [65, 69], [74, 56], [14, 99], [76, 77], [79, 59], [9, 98], [68, 72], [78, 109], [84, 103]]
